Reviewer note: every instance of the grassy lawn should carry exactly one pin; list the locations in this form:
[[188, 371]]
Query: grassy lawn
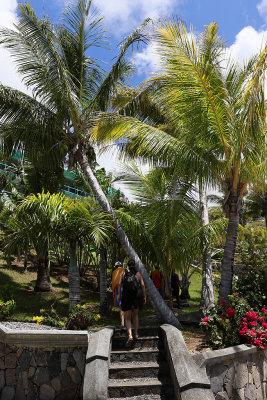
[[195, 293], [19, 285]]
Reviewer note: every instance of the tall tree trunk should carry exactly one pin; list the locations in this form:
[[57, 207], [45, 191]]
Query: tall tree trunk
[[166, 314], [207, 292], [74, 276], [43, 283], [185, 283], [25, 259], [229, 251], [103, 282]]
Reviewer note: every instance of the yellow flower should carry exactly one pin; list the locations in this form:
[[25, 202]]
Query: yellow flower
[[84, 306], [38, 320], [97, 316]]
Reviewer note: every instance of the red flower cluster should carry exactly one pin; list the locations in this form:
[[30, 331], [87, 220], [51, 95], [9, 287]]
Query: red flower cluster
[[205, 321], [230, 312], [251, 315], [254, 329]]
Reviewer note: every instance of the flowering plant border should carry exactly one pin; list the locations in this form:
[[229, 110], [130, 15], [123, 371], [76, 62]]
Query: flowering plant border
[[236, 323]]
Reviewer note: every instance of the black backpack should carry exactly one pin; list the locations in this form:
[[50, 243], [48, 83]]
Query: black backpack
[[130, 283]]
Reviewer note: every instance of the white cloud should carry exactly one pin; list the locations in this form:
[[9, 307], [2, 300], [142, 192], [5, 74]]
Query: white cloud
[[8, 73], [247, 43], [124, 15], [7, 12], [262, 8], [147, 60]]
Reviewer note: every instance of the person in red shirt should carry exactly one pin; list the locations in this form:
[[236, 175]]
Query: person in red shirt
[[157, 278]]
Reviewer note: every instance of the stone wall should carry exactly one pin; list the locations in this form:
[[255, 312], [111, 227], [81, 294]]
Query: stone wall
[[48, 373], [190, 381], [43, 365], [236, 373]]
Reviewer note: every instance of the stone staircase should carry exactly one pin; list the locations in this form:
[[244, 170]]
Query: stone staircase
[[140, 372]]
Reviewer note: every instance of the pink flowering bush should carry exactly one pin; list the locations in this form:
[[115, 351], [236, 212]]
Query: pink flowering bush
[[235, 324]]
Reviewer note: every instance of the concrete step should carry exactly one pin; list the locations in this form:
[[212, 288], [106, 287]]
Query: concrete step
[[146, 397], [142, 331], [118, 343], [122, 388], [144, 355], [135, 370]]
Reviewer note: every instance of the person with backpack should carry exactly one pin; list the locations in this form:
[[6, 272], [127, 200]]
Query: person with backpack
[[132, 298]]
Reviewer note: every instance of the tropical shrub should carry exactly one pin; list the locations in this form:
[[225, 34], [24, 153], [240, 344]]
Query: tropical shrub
[[253, 288], [235, 323], [50, 318], [252, 246], [7, 293], [81, 317], [6, 309]]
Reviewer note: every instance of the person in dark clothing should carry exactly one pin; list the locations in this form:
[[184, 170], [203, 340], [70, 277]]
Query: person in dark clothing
[[132, 299], [175, 284]]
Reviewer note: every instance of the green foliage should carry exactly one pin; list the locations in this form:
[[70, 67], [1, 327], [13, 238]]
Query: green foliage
[[81, 317], [253, 288], [50, 318], [256, 205], [235, 323], [252, 246], [222, 322], [6, 309], [6, 293]]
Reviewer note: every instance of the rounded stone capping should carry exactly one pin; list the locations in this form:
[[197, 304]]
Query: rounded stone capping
[[95, 384], [217, 356], [187, 376], [43, 338]]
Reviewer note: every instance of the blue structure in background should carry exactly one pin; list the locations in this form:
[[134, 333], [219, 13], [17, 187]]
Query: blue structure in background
[[67, 188]]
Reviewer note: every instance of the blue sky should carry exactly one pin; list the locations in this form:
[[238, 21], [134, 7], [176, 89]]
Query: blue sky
[[122, 16], [242, 24]]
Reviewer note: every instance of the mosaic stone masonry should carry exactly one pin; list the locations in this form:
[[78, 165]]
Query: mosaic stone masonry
[[47, 374]]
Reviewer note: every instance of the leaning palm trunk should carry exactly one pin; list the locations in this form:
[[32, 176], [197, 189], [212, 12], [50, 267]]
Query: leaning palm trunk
[[160, 306], [207, 293], [74, 277], [103, 282], [229, 249], [43, 283]]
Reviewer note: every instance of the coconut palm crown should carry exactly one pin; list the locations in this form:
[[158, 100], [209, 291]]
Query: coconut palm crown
[[68, 88], [214, 123]]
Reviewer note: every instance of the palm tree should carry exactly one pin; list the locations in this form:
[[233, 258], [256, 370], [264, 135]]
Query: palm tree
[[219, 119], [167, 221], [81, 221], [69, 87], [256, 205], [34, 222]]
